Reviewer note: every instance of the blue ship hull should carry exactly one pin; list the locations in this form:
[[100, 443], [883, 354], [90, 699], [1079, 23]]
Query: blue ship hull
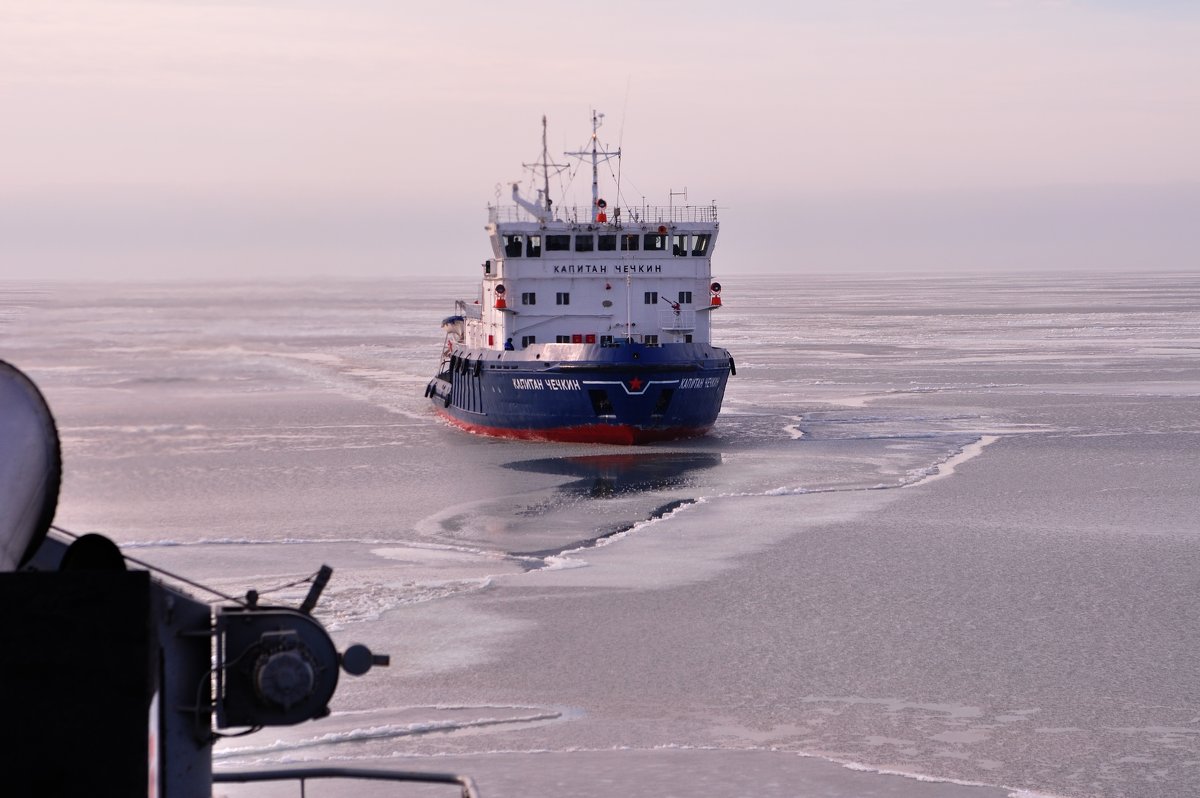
[[624, 392]]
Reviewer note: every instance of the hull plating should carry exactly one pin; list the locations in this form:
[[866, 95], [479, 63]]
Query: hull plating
[[621, 395]]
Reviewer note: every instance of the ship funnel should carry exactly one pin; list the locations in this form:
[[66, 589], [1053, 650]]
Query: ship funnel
[[30, 468]]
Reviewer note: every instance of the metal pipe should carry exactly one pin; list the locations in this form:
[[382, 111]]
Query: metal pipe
[[301, 774]]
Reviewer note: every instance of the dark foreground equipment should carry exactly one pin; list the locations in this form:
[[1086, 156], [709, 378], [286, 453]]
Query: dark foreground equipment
[[108, 675]]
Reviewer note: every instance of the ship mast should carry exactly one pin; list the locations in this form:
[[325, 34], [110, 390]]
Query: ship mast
[[597, 155], [545, 165]]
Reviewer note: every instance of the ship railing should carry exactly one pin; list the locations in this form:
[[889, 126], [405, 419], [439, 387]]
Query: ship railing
[[649, 339], [467, 310], [616, 217], [682, 319], [302, 775]]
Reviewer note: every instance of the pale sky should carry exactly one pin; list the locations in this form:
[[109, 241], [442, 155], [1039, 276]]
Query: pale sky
[[364, 138]]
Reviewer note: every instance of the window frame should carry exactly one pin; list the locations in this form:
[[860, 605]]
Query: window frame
[[558, 243]]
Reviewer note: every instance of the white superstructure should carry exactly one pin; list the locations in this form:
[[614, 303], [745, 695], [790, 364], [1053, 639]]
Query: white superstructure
[[569, 275]]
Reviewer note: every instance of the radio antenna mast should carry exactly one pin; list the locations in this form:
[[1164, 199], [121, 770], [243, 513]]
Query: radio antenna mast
[[598, 155], [545, 166]]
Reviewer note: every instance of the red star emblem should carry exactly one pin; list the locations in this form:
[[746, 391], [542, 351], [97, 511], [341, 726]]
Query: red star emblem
[[635, 384]]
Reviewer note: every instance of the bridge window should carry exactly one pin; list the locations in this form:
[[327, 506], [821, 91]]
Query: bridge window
[[679, 246], [534, 250], [700, 244], [529, 298], [653, 241], [585, 243], [562, 298], [513, 246], [558, 243], [685, 297], [651, 298], [608, 243], [629, 243], [526, 340]]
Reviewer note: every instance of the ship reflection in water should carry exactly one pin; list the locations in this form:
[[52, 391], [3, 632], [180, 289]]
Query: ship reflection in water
[[615, 477], [605, 475]]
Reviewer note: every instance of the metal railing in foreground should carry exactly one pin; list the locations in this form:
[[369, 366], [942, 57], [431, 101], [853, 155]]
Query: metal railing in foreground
[[304, 774]]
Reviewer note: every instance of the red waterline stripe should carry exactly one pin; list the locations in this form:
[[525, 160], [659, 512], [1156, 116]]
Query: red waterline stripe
[[623, 434]]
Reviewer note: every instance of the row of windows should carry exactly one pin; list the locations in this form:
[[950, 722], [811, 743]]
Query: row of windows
[[564, 298], [590, 338], [530, 246], [560, 298], [651, 298]]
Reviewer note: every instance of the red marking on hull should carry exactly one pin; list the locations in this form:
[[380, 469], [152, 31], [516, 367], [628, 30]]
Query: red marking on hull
[[619, 434]]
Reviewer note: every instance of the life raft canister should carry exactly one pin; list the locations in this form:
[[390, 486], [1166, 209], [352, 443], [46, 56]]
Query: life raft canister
[[601, 216]]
